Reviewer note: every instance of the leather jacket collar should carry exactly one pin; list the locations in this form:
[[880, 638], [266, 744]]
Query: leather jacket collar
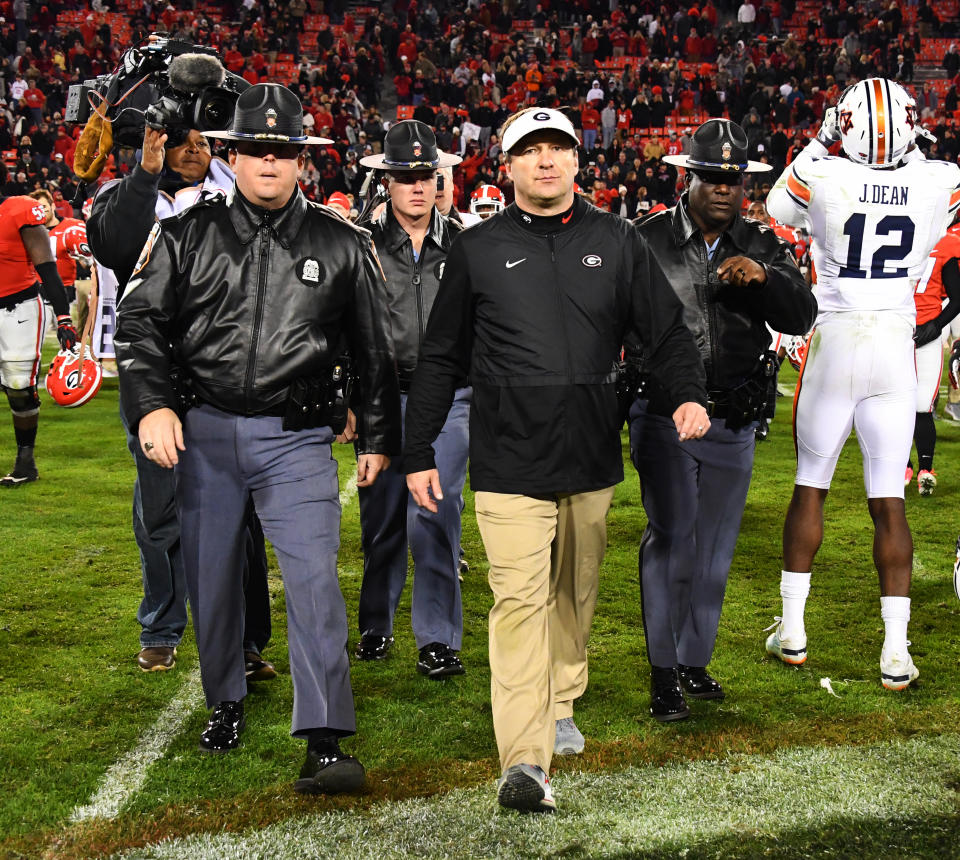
[[684, 229], [395, 235], [285, 223]]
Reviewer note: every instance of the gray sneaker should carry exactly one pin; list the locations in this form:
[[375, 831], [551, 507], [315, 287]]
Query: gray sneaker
[[525, 787], [952, 411], [569, 739]]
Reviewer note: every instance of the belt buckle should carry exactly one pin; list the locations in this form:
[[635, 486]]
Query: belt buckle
[[711, 408]]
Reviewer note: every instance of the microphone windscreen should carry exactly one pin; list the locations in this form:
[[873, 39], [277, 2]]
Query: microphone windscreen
[[190, 73]]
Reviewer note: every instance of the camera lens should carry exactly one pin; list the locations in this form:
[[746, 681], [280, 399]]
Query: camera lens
[[214, 110]]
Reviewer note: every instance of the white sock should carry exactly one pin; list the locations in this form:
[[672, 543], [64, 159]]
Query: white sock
[[895, 612], [794, 588]]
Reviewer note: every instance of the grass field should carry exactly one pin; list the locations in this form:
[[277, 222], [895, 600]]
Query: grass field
[[780, 768]]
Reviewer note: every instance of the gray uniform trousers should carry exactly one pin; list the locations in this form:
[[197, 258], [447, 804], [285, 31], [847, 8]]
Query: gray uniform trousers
[[694, 494], [292, 479], [163, 610], [390, 519]]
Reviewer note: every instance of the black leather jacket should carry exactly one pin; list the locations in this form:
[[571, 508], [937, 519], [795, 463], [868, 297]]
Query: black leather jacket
[[244, 301], [412, 285], [729, 323]]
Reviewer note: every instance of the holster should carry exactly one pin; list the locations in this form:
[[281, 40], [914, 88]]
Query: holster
[[755, 399], [320, 401], [631, 382], [183, 390]]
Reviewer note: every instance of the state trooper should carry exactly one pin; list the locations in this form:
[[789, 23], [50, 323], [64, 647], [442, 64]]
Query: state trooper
[[234, 296], [412, 238]]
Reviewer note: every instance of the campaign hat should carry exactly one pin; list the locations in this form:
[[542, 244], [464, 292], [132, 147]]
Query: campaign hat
[[719, 146], [267, 112], [410, 145]]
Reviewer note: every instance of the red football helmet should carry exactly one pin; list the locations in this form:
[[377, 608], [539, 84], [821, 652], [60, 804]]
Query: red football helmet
[[486, 200], [68, 383]]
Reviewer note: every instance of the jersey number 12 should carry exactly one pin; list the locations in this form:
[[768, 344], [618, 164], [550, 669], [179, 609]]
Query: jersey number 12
[[854, 227]]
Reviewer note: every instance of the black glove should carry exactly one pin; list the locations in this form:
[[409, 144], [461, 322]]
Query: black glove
[[927, 333], [66, 333]]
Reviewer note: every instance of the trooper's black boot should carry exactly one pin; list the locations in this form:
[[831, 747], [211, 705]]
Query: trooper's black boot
[[327, 769], [666, 698], [222, 733], [697, 683]]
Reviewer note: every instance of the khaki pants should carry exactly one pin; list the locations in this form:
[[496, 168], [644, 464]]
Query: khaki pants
[[544, 570]]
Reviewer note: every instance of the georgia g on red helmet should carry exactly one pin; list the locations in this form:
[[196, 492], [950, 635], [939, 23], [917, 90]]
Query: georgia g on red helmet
[[69, 384]]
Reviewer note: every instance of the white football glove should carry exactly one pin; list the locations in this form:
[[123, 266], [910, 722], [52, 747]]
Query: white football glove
[[829, 132], [919, 131]]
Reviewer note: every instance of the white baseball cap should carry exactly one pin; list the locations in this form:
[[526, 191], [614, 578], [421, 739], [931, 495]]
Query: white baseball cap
[[537, 119]]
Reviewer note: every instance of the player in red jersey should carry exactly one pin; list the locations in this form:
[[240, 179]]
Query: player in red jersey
[[25, 254], [937, 299], [68, 242]]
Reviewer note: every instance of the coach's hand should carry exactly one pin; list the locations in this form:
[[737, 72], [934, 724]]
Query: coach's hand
[[690, 420], [421, 485], [161, 436], [369, 466]]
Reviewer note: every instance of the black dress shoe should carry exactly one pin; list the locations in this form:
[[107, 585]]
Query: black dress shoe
[[327, 770], [373, 646], [666, 698], [222, 733], [698, 684], [439, 661]]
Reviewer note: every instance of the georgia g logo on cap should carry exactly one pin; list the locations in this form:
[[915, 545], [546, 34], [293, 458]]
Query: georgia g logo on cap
[[541, 116]]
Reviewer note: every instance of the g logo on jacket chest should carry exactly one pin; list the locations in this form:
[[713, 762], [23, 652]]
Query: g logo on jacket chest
[[310, 271], [592, 261]]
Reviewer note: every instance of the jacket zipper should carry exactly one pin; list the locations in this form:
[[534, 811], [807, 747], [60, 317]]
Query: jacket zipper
[[563, 318], [418, 283], [709, 312], [257, 314]]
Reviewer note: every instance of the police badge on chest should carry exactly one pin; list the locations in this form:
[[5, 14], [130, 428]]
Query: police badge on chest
[[310, 271]]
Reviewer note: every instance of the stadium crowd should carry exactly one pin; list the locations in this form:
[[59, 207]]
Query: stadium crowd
[[636, 80]]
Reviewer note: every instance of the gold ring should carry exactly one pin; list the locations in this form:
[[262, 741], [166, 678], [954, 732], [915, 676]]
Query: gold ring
[[148, 446], [700, 428]]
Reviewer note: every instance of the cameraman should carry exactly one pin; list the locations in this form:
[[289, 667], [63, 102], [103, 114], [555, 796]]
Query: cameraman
[[176, 169]]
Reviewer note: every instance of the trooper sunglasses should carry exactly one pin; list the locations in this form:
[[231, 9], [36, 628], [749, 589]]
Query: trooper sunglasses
[[260, 149]]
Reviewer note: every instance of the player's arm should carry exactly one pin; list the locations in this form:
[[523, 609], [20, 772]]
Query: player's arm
[[789, 199], [950, 278], [36, 241]]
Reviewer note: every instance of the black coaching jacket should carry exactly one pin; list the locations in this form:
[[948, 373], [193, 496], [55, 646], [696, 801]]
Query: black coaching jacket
[[729, 323], [412, 285], [537, 322], [244, 301]]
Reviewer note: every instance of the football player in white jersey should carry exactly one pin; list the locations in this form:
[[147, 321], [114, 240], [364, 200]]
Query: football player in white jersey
[[874, 216]]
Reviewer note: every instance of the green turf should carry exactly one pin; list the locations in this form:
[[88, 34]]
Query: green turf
[[72, 700]]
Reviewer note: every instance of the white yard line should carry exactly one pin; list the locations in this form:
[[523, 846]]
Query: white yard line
[[128, 775], [349, 491], [654, 809]]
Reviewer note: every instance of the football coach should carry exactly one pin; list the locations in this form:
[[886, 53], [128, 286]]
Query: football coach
[[533, 308], [248, 298]]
